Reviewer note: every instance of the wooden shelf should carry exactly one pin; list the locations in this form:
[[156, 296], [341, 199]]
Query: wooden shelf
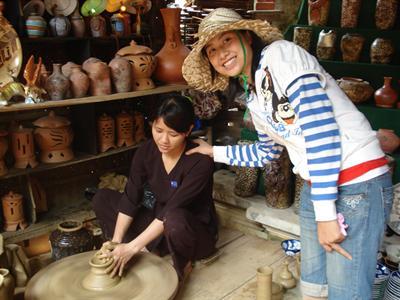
[[79, 158], [93, 99], [78, 210]]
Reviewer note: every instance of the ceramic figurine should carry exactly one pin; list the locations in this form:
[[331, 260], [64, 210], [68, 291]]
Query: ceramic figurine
[[13, 211], [33, 92]]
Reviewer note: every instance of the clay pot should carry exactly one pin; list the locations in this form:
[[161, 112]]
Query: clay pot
[[57, 85], [125, 127], [105, 133], [302, 37], [70, 238], [66, 68], [79, 82], [326, 44], [386, 96], [171, 56], [351, 45], [60, 26], [13, 212], [121, 74], [382, 51], [3, 151], [99, 75], [98, 278], [385, 13], [7, 285], [22, 146], [78, 24], [54, 136], [388, 140], [98, 26], [350, 12], [35, 26], [299, 182], [143, 65], [318, 12], [246, 178], [357, 89], [140, 134]]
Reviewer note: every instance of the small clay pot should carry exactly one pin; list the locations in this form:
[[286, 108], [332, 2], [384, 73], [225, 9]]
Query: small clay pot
[[105, 133], [60, 26], [246, 178], [121, 74], [357, 89], [351, 45], [3, 151], [13, 211], [302, 37], [386, 96], [125, 127], [326, 44], [388, 140], [99, 75], [98, 279], [22, 146], [79, 82], [382, 51], [57, 85]]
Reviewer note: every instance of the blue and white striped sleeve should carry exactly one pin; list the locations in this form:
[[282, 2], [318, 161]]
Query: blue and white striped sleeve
[[252, 155], [322, 139]]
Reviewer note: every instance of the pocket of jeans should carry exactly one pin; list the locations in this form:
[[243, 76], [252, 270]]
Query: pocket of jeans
[[352, 204], [387, 200]]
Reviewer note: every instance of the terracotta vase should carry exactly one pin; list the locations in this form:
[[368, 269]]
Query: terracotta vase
[[357, 89], [98, 26], [60, 26], [125, 127], [302, 37], [99, 76], [105, 133], [7, 285], [3, 151], [171, 56], [54, 136], [140, 134], [57, 85], [35, 25], [388, 140], [385, 13], [318, 12], [79, 82], [386, 96], [351, 45], [350, 12], [246, 178], [13, 212], [22, 146], [326, 44], [70, 238], [121, 74], [382, 51], [78, 24]]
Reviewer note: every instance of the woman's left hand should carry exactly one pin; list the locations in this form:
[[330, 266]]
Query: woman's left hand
[[330, 237], [121, 254]]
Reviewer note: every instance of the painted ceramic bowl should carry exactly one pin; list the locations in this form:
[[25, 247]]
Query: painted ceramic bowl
[[291, 247], [381, 271]]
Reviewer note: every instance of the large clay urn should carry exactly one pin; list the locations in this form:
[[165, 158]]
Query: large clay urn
[[171, 56], [121, 74], [318, 12], [105, 133], [13, 212], [125, 127], [54, 136], [385, 13], [386, 96], [79, 82], [99, 75], [7, 285], [3, 151], [357, 89], [143, 65], [22, 146]]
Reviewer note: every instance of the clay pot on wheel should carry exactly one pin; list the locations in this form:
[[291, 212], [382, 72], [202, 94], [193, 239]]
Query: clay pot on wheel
[[357, 89]]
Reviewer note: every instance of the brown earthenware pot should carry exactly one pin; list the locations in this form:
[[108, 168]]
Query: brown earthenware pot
[[351, 45], [386, 96], [318, 12], [99, 75], [382, 51], [79, 82], [350, 12], [385, 14], [357, 89], [121, 74]]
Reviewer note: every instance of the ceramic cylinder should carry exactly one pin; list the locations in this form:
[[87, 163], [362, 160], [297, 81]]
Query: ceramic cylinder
[[357, 89], [385, 14], [7, 285], [35, 26], [246, 179], [13, 211], [350, 12], [382, 51], [351, 45], [302, 37], [105, 133], [264, 283], [318, 12]]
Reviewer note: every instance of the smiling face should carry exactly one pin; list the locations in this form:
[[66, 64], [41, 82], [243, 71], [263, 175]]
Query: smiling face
[[167, 140], [226, 54]]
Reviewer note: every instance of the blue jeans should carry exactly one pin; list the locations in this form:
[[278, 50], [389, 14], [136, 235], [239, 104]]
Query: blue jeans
[[365, 207]]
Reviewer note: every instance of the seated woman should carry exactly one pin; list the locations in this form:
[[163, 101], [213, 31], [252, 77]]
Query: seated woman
[[182, 220]]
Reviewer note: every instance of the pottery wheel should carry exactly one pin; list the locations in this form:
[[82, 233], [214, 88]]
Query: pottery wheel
[[148, 277]]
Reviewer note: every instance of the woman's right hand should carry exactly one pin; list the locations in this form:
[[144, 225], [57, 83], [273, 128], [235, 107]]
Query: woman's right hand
[[330, 237], [203, 148]]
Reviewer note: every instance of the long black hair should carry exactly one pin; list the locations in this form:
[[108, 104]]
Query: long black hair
[[177, 112]]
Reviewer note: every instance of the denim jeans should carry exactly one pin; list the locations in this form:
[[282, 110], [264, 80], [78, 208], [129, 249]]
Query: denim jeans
[[365, 207]]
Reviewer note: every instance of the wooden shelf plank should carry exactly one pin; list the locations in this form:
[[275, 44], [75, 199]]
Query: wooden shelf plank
[[79, 158], [93, 99]]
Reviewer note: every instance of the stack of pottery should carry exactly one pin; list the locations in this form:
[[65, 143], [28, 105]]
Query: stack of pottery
[[357, 89], [3, 151], [54, 136], [22, 146], [392, 291], [381, 277], [13, 211], [99, 76]]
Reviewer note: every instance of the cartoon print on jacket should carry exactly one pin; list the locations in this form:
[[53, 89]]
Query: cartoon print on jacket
[[282, 110]]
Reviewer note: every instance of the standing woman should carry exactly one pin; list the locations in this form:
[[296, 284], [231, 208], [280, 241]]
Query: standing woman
[[182, 220], [295, 103]]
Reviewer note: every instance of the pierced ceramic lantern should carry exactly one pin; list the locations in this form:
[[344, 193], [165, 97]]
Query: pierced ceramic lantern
[[54, 136], [143, 65], [125, 126], [105, 133], [3, 150], [13, 212], [22, 145], [140, 134]]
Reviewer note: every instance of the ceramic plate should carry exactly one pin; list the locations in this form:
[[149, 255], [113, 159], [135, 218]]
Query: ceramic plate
[[63, 7]]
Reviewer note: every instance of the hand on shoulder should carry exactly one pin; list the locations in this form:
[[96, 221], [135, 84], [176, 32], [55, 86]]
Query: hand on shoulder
[[202, 148]]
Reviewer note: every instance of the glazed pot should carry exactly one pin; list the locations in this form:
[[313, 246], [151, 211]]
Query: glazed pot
[[35, 26], [351, 45], [385, 14], [79, 82], [121, 74], [70, 238], [22, 146], [54, 136], [350, 12], [99, 76], [13, 212], [7, 285], [60, 26], [105, 133], [388, 140], [382, 51], [302, 37], [326, 44], [246, 178], [318, 12], [3, 151], [125, 127], [57, 85], [357, 89], [386, 96]]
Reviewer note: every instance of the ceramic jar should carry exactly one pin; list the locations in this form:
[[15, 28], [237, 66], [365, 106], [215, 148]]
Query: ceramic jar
[[302, 37], [57, 85], [125, 127], [351, 45], [98, 26], [66, 68], [382, 51], [143, 65], [70, 238], [54, 136], [7, 285], [246, 178], [326, 44], [22, 146], [299, 182], [350, 12], [121, 74], [171, 56], [3, 151], [60, 26], [99, 76], [388, 140], [117, 24], [386, 96], [385, 14], [105, 133], [79, 82], [78, 24], [13, 212], [35, 26], [357, 89], [318, 12]]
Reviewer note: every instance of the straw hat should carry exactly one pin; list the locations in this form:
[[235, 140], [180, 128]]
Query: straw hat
[[196, 68]]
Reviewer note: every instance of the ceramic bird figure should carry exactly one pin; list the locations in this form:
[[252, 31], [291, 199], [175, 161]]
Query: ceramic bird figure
[[31, 74]]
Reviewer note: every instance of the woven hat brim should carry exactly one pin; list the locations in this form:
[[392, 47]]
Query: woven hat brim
[[196, 68]]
